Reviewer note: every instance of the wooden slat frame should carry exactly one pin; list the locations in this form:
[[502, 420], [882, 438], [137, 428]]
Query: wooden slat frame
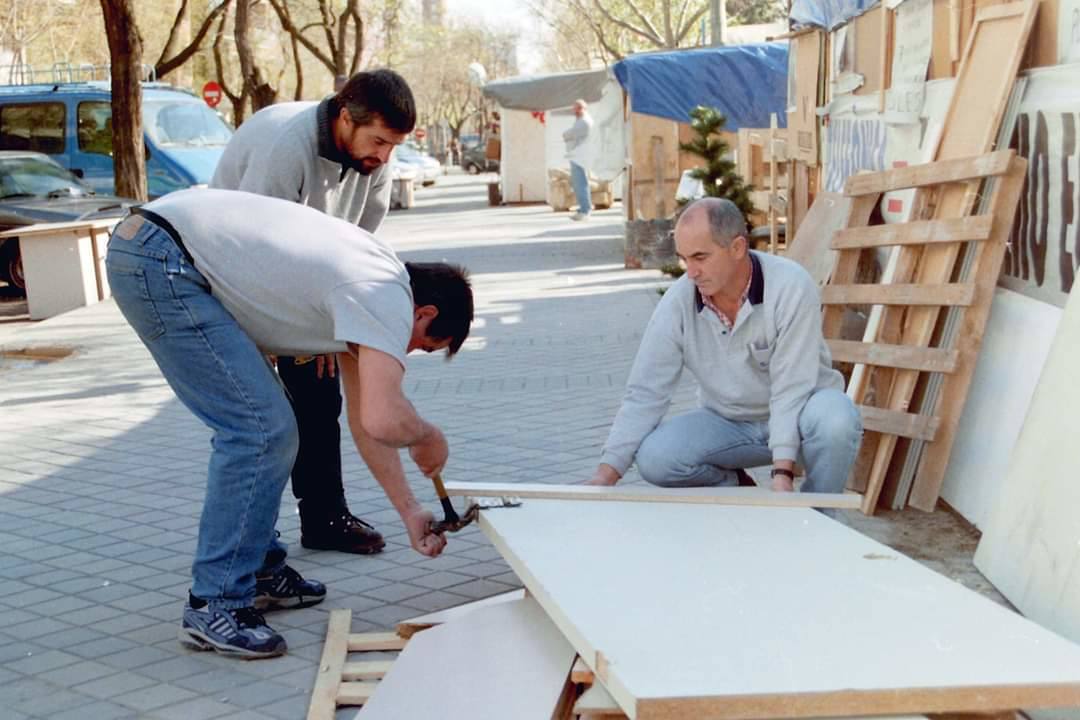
[[897, 423], [324, 697], [984, 82], [894, 356], [915, 233], [911, 295], [962, 169]]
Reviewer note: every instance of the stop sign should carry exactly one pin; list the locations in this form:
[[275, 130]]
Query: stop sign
[[211, 93]]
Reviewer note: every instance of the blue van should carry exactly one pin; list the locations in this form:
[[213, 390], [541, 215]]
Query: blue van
[[72, 123]]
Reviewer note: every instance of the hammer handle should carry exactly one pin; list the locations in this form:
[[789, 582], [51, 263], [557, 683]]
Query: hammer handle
[[440, 490]]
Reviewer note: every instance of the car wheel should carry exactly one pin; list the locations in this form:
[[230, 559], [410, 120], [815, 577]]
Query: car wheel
[[11, 267], [472, 169], [15, 272]]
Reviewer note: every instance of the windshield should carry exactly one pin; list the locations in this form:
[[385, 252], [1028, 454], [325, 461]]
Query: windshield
[[36, 176], [184, 124]]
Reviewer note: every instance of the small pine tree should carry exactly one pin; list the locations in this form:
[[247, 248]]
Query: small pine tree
[[718, 175]]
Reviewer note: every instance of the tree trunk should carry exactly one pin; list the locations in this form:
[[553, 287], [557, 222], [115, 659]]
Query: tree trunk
[[125, 53], [260, 91]]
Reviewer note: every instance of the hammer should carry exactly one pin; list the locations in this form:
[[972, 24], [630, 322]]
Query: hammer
[[452, 522]]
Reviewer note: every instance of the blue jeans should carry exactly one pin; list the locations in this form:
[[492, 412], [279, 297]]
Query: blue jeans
[[579, 180], [223, 378], [701, 448]]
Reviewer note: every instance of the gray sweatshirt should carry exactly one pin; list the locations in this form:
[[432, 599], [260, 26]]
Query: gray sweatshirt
[[765, 368], [287, 151]]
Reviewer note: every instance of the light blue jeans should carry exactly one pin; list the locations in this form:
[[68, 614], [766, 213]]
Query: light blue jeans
[[222, 377], [579, 180], [701, 448]]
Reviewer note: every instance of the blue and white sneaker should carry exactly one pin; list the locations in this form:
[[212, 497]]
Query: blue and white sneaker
[[287, 589], [241, 632]]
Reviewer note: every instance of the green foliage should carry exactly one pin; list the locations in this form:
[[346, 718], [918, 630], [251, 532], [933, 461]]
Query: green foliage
[[718, 174], [674, 269], [749, 12]]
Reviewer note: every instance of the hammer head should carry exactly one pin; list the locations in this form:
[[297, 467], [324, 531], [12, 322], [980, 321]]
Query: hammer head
[[473, 512]]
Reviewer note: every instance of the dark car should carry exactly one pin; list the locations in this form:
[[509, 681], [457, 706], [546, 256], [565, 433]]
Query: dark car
[[473, 160], [35, 189]]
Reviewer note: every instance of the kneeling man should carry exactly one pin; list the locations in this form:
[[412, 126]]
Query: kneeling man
[[747, 325]]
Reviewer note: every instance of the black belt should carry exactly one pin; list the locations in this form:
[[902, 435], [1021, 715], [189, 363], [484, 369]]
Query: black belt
[[167, 227]]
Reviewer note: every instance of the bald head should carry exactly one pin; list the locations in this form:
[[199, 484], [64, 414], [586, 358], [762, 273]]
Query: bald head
[[580, 106], [722, 217]]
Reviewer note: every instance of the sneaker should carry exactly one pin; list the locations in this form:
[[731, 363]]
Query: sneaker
[[344, 533], [286, 590], [240, 632], [579, 216]]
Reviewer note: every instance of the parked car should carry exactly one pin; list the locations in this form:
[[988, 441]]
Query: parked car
[[72, 124], [474, 160], [35, 189], [427, 168]]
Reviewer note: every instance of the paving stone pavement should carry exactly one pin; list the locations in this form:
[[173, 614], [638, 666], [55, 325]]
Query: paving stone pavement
[[102, 471]]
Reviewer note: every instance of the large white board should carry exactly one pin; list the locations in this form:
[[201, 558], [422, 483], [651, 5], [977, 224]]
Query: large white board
[[742, 612], [522, 167], [1030, 547], [1017, 341]]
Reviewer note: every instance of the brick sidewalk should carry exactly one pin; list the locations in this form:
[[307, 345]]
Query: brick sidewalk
[[102, 471]]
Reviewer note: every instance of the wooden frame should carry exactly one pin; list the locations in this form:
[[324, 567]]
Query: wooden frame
[[638, 493]]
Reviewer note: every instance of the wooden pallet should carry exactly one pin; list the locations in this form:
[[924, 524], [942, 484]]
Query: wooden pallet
[[898, 357], [341, 683]]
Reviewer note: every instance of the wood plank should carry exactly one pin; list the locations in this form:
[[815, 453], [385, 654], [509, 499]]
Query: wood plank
[[353, 694], [809, 245], [408, 628], [895, 356], [644, 601], [915, 233], [366, 642], [936, 173], [365, 670], [847, 263], [930, 474], [596, 702], [896, 422], [501, 661], [582, 673], [651, 494], [328, 680], [950, 294]]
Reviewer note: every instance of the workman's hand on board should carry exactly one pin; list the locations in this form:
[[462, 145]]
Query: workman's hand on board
[[604, 475], [326, 365], [431, 452], [423, 541]]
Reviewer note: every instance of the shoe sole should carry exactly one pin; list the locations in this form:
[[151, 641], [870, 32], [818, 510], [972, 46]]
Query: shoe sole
[[353, 550], [192, 638], [266, 603]]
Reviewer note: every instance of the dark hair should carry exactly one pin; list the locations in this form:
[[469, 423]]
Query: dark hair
[[447, 288], [379, 93]]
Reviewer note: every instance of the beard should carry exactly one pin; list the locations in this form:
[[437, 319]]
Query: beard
[[368, 165]]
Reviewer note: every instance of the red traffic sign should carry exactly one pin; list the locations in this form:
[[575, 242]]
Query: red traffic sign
[[211, 93]]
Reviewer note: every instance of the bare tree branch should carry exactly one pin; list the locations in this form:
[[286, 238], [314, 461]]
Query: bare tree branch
[[163, 67]]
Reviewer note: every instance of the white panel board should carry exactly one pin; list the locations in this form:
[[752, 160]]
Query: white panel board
[[1015, 346], [1030, 548], [746, 612], [502, 661], [522, 168]]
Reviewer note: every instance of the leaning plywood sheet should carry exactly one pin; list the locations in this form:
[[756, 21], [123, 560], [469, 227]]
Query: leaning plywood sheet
[[810, 248], [1030, 548], [695, 611], [502, 661], [1017, 341], [653, 494]]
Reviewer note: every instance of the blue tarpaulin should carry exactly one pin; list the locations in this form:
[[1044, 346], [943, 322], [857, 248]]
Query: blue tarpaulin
[[745, 82], [829, 14]]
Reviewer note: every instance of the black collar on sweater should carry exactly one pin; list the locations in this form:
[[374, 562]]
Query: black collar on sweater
[[756, 296], [325, 115]]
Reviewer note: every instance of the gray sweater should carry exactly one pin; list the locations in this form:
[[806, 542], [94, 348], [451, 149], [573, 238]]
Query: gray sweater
[[287, 151], [764, 369]]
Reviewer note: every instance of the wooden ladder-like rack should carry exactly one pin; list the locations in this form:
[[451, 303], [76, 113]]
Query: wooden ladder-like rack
[[921, 284]]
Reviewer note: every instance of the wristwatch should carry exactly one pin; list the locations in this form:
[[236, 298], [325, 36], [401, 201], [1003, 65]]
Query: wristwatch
[[783, 471]]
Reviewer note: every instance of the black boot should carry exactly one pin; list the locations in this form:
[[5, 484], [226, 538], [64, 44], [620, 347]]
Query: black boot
[[338, 530]]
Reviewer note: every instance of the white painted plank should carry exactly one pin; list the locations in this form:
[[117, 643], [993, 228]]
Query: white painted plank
[[1017, 341], [652, 494], [745, 612], [407, 628], [1030, 548], [503, 661]]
